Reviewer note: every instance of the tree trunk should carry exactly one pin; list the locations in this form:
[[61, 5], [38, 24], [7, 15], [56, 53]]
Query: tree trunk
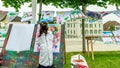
[[83, 29], [40, 11], [117, 7], [113, 36]]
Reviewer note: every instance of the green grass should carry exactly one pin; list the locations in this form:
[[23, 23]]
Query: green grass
[[102, 59]]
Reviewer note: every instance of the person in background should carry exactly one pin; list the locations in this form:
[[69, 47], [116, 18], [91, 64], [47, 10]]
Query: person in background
[[46, 47]]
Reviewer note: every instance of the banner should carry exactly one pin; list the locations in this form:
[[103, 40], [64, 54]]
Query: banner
[[11, 16]]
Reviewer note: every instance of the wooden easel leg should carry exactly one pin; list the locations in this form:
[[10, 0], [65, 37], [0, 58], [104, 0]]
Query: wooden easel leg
[[92, 49], [88, 48]]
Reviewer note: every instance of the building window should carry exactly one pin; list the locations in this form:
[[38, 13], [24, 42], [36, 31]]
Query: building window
[[99, 25], [99, 31], [95, 31], [86, 25], [74, 31], [117, 27], [68, 31], [71, 31], [74, 25], [95, 25], [71, 25], [68, 25], [91, 31], [86, 31], [91, 25]]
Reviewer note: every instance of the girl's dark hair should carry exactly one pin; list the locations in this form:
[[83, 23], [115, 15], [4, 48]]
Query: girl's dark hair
[[43, 28]]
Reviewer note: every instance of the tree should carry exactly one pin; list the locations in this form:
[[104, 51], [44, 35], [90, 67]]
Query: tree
[[75, 4], [115, 2]]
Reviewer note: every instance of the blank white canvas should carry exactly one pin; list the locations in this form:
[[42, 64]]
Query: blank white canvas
[[20, 37]]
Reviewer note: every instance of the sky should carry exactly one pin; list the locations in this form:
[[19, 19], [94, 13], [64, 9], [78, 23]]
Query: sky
[[109, 17]]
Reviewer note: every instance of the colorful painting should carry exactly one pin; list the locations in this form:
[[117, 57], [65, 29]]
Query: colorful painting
[[56, 30], [59, 58], [93, 16]]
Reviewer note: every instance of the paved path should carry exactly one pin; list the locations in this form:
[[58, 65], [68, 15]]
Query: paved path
[[75, 45]]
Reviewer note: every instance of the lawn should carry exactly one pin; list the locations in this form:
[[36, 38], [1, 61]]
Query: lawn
[[102, 59]]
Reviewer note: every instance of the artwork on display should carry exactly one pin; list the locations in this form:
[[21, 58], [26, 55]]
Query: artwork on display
[[63, 16], [77, 14], [93, 16], [12, 15], [117, 36], [47, 16], [56, 30], [107, 37], [27, 16], [59, 58]]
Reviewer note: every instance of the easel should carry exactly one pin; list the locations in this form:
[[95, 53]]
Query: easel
[[90, 38]]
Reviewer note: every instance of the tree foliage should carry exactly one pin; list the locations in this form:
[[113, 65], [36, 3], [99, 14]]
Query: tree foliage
[[115, 2], [112, 28], [75, 4], [14, 3]]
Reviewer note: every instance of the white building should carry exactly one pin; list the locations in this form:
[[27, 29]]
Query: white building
[[73, 29]]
